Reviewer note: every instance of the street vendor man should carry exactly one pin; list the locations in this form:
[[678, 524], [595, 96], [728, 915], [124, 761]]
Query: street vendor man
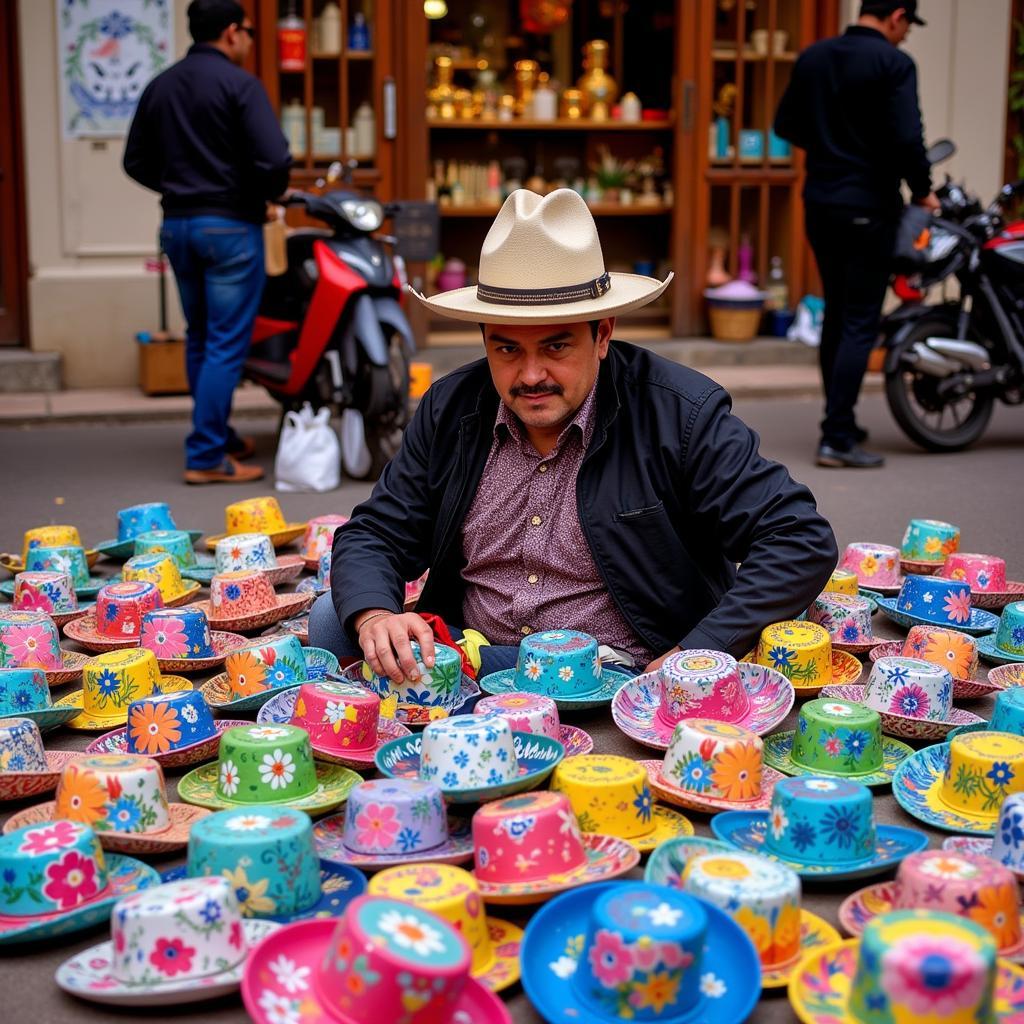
[[570, 481]]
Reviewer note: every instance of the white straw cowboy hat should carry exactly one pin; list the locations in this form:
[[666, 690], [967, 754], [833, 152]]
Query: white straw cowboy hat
[[541, 263]]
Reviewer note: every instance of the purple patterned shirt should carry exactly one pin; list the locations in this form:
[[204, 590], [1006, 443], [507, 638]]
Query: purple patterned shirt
[[528, 565]]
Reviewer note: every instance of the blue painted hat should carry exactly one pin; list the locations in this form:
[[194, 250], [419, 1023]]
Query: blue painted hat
[[24, 692], [1008, 643], [934, 600], [178, 634], [67, 558], [167, 722], [647, 952], [929, 540], [1007, 715], [268, 855], [138, 519]]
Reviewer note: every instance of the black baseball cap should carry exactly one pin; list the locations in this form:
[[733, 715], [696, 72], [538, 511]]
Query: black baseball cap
[[883, 8]]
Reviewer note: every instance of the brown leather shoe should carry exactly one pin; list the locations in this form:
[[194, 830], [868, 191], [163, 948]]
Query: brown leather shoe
[[246, 449], [231, 472]]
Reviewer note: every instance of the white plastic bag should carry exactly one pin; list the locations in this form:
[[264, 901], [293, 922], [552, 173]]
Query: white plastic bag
[[807, 324], [308, 454]]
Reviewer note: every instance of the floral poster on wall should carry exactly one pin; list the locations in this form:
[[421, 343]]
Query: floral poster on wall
[[109, 50]]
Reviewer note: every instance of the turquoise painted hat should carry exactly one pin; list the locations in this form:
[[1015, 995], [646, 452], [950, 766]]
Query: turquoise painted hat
[[136, 519], [24, 693], [1008, 643]]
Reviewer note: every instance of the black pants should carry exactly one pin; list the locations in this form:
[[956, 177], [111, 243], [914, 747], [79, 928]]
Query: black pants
[[853, 250]]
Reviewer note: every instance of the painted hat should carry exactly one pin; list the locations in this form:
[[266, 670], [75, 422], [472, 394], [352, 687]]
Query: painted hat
[[837, 737], [50, 592], [162, 571], [243, 601], [256, 551], [175, 729], [57, 880], [536, 714], [31, 640], [177, 544], [713, 766], [848, 621], [987, 576], [123, 797], [267, 766], [271, 863], [934, 601], [667, 865], [116, 621], [281, 707], [802, 652], [763, 898], [66, 558], [252, 674], [1007, 715], [111, 681], [877, 565], [24, 693], [959, 786], [46, 537], [610, 795], [927, 543], [1006, 847], [26, 768], [701, 684], [388, 822], [383, 960], [842, 581], [258, 515], [319, 538], [453, 894], [1007, 645], [646, 952], [321, 582], [137, 519], [949, 648], [439, 686], [970, 886], [472, 758], [821, 827], [529, 847], [562, 664], [175, 943], [182, 640], [910, 965]]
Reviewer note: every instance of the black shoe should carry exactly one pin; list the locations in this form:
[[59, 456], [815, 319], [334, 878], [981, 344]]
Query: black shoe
[[860, 435], [855, 458]]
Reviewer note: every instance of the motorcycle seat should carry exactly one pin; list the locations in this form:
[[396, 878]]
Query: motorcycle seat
[[269, 370]]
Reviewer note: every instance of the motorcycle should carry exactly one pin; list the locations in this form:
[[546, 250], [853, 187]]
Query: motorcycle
[[332, 331], [948, 361]]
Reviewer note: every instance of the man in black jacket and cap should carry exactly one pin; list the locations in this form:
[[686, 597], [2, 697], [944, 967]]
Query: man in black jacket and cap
[[852, 105], [205, 137]]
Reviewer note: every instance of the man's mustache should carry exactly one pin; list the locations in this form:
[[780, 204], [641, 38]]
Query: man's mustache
[[521, 390]]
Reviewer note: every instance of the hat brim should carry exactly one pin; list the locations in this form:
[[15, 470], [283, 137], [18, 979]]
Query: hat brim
[[319, 662], [279, 538], [978, 846], [980, 622], [997, 600], [48, 719], [902, 725], [91, 722], [554, 937], [665, 789], [22, 785], [15, 563], [88, 975], [285, 605], [819, 990], [116, 742], [612, 680], [747, 831], [223, 644], [667, 824], [124, 549], [963, 689], [845, 669], [635, 706], [85, 631], [627, 292], [990, 652], [1011, 674], [778, 752]]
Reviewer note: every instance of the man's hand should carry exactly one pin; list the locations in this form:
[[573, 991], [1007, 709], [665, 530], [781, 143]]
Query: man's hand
[[656, 664], [385, 641], [931, 202]]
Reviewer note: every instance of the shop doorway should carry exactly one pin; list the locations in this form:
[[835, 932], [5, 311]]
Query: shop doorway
[[13, 249]]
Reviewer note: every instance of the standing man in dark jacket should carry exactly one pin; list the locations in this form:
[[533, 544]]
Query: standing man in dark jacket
[[205, 137], [569, 481], [852, 105]]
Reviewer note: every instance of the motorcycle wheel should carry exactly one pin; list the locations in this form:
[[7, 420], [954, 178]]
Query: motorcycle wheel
[[935, 422]]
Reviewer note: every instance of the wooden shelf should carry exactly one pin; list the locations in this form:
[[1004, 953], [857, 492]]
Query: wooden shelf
[[782, 174], [752, 57], [597, 209], [562, 124]]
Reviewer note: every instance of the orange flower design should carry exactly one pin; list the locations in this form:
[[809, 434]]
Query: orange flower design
[[996, 910], [657, 992], [80, 796], [952, 651], [737, 772], [154, 727], [950, 544], [758, 930], [246, 674], [786, 942]]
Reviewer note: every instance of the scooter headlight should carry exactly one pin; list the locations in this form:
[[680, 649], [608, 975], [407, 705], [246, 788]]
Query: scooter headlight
[[364, 214]]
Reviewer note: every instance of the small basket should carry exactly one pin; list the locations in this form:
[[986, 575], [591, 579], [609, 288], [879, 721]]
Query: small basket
[[735, 323]]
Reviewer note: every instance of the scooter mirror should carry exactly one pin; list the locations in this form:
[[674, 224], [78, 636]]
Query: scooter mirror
[[940, 150]]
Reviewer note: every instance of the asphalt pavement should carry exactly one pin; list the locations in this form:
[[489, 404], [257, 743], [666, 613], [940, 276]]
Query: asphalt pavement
[[81, 475]]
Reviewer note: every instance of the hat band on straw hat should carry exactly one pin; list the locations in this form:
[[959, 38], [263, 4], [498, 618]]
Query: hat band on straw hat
[[592, 289]]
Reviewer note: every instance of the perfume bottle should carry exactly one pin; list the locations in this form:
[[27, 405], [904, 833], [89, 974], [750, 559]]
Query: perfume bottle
[[359, 34]]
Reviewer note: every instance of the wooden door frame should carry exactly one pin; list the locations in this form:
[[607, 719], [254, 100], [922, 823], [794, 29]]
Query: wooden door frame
[[13, 239]]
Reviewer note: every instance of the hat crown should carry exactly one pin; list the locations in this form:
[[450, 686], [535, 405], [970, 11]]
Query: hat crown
[[31, 640], [168, 721], [984, 768], [701, 684], [44, 591], [392, 816], [952, 650], [611, 793], [910, 687], [244, 551], [715, 759], [264, 764], [801, 651], [345, 722], [525, 712], [558, 663], [110, 681], [69, 558], [176, 543], [439, 686], [838, 737], [819, 820], [177, 633], [541, 242], [23, 689], [847, 617], [469, 752], [114, 793], [49, 536], [254, 515], [121, 607], [21, 746], [877, 564], [929, 540], [1010, 632], [136, 519]]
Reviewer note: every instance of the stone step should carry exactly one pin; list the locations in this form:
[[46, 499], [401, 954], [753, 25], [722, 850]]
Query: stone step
[[22, 371]]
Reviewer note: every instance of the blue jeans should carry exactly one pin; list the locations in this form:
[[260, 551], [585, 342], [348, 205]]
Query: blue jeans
[[218, 264], [325, 631]]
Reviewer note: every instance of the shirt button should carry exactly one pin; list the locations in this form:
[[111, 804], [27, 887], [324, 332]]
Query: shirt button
[[532, 578], [524, 630], [542, 468], [536, 520]]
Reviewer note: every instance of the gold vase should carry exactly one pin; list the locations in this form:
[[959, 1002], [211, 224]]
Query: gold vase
[[572, 104], [441, 95], [525, 78], [598, 87]]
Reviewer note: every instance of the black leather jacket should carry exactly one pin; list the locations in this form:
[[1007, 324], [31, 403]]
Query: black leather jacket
[[672, 493]]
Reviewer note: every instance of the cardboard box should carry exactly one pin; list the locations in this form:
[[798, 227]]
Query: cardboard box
[[162, 367]]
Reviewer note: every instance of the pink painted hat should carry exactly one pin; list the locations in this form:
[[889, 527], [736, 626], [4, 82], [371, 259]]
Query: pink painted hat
[[537, 714], [877, 565], [384, 960], [983, 572], [319, 538]]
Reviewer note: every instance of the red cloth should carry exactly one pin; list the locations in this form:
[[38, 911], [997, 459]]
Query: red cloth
[[443, 635]]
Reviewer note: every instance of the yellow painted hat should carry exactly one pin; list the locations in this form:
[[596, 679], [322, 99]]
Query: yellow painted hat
[[258, 515], [610, 795], [802, 652], [842, 581], [111, 681], [162, 571], [454, 895]]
